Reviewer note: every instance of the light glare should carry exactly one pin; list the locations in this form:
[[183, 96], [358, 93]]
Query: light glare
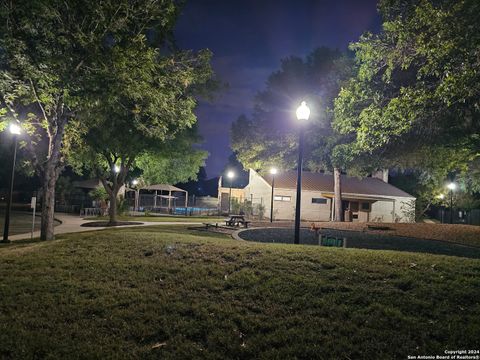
[[230, 174], [15, 129], [452, 186], [303, 112], [273, 171]]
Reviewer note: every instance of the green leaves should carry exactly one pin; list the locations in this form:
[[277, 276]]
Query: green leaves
[[415, 80]]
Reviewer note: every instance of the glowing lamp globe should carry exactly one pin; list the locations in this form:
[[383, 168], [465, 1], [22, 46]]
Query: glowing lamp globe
[[230, 174], [452, 186], [273, 171], [303, 112], [14, 129]]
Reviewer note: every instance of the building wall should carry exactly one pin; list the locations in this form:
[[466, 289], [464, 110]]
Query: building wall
[[399, 210], [381, 211], [258, 191], [224, 194]]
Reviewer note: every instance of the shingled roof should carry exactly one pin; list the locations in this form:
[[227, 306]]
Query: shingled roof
[[324, 183]]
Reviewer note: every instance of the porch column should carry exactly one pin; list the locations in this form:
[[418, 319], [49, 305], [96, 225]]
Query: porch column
[[186, 199], [393, 212], [155, 200], [169, 199]]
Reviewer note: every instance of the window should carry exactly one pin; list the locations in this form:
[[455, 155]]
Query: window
[[282, 198], [319, 201], [365, 206]]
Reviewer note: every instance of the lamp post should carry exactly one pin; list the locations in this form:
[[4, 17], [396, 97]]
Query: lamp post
[[137, 195], [303, 113], [15, 131], [230, 176], [452, 186], [273, 172], [442, 197]]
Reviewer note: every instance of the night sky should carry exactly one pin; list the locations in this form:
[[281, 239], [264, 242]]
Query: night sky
[[248, 38]]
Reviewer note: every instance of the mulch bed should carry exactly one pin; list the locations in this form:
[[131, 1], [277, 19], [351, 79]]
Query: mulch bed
[[363, 240], [107, 224], [456, 233]]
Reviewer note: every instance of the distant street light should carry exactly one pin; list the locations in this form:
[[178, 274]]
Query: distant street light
[[303, 113], [442, 208], [116, 168], [273, 172], [451, 186], [137, 195], [230, 176], [15, 130]]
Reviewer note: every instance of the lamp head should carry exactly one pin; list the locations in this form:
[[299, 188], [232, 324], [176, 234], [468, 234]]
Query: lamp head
[[14, 129], [135, 182], [303, 112], [452, 186], [116, 169], [230, 174], [273, 171]]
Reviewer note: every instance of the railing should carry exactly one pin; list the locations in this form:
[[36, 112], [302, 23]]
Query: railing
[[91, 212]]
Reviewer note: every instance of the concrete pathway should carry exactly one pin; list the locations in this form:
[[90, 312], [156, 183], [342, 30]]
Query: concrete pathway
[[73, 224]]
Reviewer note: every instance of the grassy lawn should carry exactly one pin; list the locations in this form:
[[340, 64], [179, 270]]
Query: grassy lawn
[[163, 218], [172, 293]]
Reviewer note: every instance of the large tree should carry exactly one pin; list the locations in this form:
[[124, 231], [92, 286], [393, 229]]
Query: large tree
[[414, 102], [56, 53], [142, 116], [270, 136]]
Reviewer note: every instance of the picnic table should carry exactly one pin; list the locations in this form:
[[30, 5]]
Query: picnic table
[[237, 220]]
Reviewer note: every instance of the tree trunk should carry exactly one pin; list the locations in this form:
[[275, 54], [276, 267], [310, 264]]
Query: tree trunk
[[112, 211], [48, 204], [337, 188]]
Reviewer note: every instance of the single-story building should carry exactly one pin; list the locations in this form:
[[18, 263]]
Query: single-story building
[[366, 199]]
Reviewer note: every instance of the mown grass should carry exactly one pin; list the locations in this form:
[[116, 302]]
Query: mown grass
[[173, 293]]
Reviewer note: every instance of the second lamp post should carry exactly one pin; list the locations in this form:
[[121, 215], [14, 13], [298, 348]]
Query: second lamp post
[[273, 172], [303, 113], [15, 131], [230, 176]]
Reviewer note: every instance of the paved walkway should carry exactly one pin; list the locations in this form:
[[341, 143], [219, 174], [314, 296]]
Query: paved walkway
[[73, 224]]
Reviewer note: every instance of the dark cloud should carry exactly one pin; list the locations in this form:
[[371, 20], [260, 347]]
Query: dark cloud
[[248, 39]]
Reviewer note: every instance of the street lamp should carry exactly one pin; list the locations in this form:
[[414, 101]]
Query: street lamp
[[230, 176], [116, 169], [273, 172], [137, 194], [451, 186], [303, 113], [15, 130], [442, 208]]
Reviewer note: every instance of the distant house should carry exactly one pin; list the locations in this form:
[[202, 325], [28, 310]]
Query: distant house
[[367, 199]]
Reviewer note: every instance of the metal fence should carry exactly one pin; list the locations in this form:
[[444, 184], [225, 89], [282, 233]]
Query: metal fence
[[456, 216]]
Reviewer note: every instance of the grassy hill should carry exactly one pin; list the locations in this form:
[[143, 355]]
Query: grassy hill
[[173, 293]]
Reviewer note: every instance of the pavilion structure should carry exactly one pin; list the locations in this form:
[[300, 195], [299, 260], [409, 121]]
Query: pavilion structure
[[163, 197]]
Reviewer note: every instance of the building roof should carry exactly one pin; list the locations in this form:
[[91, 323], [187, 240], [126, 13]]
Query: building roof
[[87, 184], [324, 183], [163, 187]]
